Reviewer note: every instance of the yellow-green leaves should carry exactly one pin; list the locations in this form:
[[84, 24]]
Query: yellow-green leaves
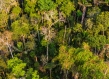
[[3, 64], [46, 5], [19, 45], [66, 6], [15, 12], [20, 29], [93, 69], [65, 57], [83, 62], [32, 74], [3, 19], [30, 6], [83, 56], [103, 20], [16, 66], [107, 1], [77, 28]]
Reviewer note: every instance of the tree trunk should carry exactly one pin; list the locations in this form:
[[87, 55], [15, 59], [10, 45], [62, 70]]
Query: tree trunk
[[83, 15], [10, 50], [76, 75], [47, 52], [50, 73], [38, 34], [65, 74], [64, 35], [95, 2], [23, 39]]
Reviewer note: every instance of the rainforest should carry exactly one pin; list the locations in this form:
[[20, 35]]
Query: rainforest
[[54, 39]]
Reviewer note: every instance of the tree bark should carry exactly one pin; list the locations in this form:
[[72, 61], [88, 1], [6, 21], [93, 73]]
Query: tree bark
[[50, 74], [10, 50], [83, 15], [64, 35], [47, 51], [76, 75]]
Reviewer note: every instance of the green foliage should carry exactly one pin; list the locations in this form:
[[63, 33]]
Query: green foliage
[[30, 6], [30, 45], [65, 57], [15, 12], [20, 29], [59, 1], [32, 74], [32, 53], [79, 13], [66, 9], [50, 66], [93, 12], [46, 5], [83, 56], [107, 1], [89, 24], [44, 42], [17, 70], [89, 65], [83, 61], [77, 28], [95, 66], [52, 49], [3, 19], [62, 36], [97, 41], [51, 42], [103, 21], [3, 64], [19, 45], [16, 67]]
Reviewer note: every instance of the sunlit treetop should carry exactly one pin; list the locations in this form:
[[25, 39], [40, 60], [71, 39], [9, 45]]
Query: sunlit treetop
[[46, 5]]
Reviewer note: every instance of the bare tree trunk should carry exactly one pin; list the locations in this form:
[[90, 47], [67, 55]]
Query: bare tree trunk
[[65, 74], [64, 35], [50, 73], [42, 18], [48, 39], [76, 75], [47, 51], [38, 33], [8, 45], [23, 38], [10, 50], [95, 2], [83, 15]]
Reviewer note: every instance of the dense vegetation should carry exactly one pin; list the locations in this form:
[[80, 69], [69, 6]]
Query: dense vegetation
[[54, 39]]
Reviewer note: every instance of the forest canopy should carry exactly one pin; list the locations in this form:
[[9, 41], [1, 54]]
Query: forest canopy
[[54, 39]]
